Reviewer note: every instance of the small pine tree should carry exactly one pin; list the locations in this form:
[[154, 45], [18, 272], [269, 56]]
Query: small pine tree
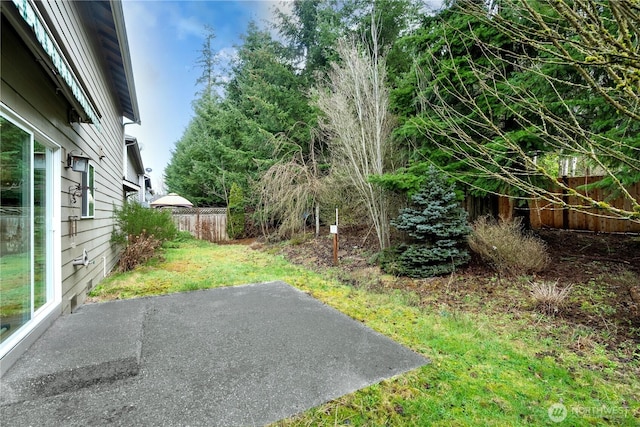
[[437, 227], [235, 212]]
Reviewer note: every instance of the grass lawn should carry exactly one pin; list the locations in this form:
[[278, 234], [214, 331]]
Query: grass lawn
[[488, 368]]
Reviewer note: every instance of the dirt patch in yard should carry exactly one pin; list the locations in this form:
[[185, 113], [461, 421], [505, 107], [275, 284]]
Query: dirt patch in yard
[[571, 249], [604, 270]]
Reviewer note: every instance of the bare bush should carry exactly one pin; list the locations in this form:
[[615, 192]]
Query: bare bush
[[358, 123], [139, 250], [507, 248], [338, 193], [289, 191], [549, 297]]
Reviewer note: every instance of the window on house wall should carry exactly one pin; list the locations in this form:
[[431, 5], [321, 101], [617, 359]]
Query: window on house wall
[[26, 254], [88, 193]]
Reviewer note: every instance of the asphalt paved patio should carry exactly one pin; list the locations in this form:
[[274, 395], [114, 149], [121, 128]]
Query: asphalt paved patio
[[238, 356]]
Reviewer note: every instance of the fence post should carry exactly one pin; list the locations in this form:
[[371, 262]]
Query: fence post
[[565, 199], [198, 225]]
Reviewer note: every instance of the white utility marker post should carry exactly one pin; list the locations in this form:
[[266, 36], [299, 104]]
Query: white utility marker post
[[334, 231]]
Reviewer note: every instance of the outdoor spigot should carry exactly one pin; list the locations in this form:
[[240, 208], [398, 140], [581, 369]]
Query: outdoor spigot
[[82, 260]]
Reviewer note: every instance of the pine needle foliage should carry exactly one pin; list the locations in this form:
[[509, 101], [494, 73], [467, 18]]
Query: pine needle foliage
[[437, 228]]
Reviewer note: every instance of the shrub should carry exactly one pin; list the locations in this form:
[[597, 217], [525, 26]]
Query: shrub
[[235, 212], [142, 230], [139, 250], [507, 248], [135, 220], [548, 297], [184, 236], [437, 228]]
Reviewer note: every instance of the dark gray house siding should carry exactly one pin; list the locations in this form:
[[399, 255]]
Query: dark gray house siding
[[67, 89]]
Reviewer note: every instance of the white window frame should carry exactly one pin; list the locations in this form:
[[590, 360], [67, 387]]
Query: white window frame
[[89, 192]]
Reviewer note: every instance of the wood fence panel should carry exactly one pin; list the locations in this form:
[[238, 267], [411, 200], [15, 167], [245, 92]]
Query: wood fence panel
[[505, 208], [535, 216], [635, 189], [541, 214], [477, 207], [575, 220], [558, 217], [203, 223], [546, 215]]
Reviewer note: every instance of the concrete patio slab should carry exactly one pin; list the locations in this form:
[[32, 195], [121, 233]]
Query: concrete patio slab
[[98, 343], [236, 356]]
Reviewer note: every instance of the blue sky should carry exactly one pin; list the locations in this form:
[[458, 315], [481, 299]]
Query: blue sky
[[164, 39]]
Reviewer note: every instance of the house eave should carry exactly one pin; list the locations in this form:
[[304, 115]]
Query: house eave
[[106, 20], [121, 31], [133, 151]]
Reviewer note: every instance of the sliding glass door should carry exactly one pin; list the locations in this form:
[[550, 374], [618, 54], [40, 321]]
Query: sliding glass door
[[25, 227]]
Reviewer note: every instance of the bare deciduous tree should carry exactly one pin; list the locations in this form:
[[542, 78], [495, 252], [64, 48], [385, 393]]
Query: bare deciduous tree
[[355, 103], [598, 41]]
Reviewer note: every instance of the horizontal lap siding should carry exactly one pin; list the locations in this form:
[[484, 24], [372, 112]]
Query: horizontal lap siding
[[93, 234], [132, 172]]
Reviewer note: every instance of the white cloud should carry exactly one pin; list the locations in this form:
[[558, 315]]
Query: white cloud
[[188, 26], [269, 14], [164, 38], [227, 54]]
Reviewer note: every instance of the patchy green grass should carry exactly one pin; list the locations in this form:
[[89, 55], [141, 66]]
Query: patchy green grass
[[193, 265], [488, 367]]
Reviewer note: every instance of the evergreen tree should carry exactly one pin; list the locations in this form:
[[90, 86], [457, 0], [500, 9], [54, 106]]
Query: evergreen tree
[[447, 48], [236, 138], [204, 158], [235, 212], [207, 62], [436, 226]]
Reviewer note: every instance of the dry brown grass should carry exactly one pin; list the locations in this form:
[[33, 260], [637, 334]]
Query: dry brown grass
[[549, 297]]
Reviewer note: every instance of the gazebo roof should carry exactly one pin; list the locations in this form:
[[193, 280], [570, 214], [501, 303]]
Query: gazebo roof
[[171, 200]]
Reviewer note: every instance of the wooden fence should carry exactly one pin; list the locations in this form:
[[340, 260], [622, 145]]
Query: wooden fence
[[496, 206], [544, 214], [14, 230], [203, 223]]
